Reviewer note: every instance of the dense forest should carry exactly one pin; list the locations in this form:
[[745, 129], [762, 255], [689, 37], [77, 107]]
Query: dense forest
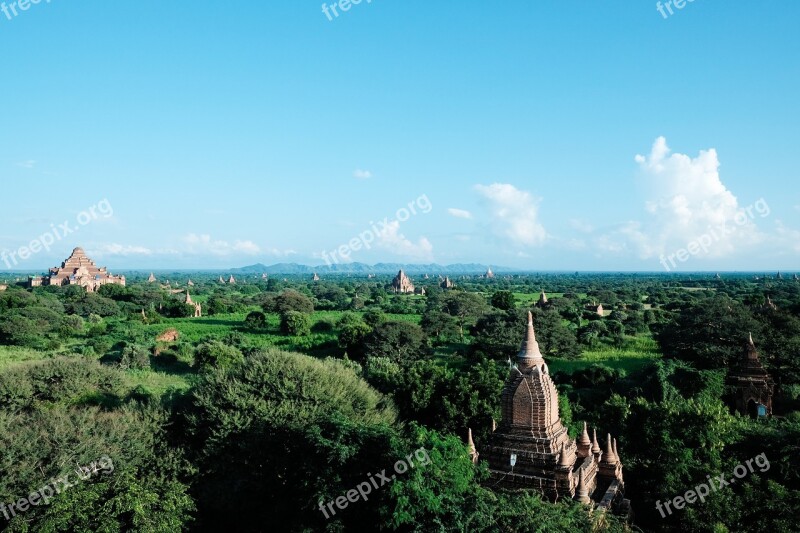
[[122, 411]]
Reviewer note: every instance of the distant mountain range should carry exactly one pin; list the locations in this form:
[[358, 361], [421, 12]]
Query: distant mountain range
[[363, 268]]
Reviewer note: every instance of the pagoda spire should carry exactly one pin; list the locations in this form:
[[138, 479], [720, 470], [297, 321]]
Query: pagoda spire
[[609, 457], [584, 438], [751, 352], [529, 354], [595, 443], [473, 451]]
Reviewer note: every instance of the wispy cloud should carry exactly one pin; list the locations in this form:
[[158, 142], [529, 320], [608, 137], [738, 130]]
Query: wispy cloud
[[30, 163], [362, 174], [281, 253], [115, 249], [204, 244], [459, 213], [581, 225]]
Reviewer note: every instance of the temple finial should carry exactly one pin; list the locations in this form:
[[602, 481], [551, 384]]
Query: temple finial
[[609, 456], [530, 348]]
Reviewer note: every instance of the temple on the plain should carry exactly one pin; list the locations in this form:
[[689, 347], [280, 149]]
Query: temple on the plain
[[78, 269]]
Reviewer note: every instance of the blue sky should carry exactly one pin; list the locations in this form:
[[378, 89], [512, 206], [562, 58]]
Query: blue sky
[[225, 134]]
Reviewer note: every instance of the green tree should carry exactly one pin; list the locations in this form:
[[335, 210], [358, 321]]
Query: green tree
[[397, 340], [255, 320], [291, 300], [304, 431], [295, 323], [504, 300], [464, 306], [215, 354]]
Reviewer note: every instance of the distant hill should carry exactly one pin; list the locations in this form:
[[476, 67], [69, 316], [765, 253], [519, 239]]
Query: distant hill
[[363, 268]]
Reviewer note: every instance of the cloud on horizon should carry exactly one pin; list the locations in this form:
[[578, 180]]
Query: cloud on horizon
[[513, 214]]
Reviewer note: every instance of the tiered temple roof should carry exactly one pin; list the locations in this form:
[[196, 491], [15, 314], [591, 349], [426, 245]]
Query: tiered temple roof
[[531, 449], [401, 284], [78, 269]]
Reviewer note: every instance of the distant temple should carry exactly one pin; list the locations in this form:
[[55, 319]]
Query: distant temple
[[595, 308], [531, 449], [198, 310], [769, 305], [447, 284], [315, 277], [489, 273], [151, 279], [542, 302], [231, 280], [77, 270], [752, 386], [401, 284]]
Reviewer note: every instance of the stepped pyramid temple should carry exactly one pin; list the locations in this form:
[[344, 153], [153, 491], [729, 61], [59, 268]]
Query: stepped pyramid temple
[[77, 270], [489, 273], [402, 284], [751, 383], [530, 448]]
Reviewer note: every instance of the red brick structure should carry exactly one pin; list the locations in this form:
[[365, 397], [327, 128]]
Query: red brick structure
[[531, 449], [752, 386]]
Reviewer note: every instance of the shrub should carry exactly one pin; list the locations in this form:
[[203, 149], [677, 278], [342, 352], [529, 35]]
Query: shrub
[[295, 323]]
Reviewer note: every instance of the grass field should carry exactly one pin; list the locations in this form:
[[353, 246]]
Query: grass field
[[10, 355], [635, 354]]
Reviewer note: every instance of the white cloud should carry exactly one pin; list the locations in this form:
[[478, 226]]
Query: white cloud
[[514, 213], [362, 174], [281, 253], [581, 225], [389, 238], [30, 163], [685, 200], [118, 249], [459, 213], [200, 244]]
